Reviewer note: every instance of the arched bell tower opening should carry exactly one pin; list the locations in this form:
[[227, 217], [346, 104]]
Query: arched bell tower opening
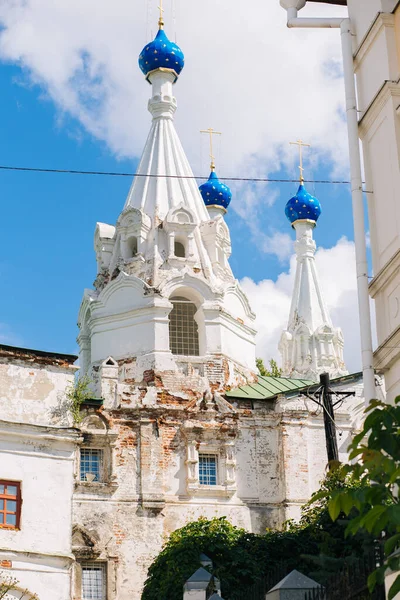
[[179, 249], [132, 247], [183, 328]]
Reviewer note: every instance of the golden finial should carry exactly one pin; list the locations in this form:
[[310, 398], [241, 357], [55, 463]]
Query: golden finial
[[211, 132], [161, 19], [301, 144]]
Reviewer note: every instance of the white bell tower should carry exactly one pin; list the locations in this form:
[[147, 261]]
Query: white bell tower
[[166, 305]]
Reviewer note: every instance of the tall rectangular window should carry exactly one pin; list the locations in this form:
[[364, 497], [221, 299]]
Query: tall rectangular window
[[208, 469], [91, 464], [94, 583], [10, 504]]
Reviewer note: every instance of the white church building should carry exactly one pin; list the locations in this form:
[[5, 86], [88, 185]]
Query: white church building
[[180, 424]]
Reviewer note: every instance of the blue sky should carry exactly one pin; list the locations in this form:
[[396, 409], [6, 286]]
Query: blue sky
[[48, 220]]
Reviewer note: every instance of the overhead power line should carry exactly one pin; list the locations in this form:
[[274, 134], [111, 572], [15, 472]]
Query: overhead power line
[[121, 174]]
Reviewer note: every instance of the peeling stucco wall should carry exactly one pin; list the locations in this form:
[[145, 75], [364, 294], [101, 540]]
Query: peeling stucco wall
[[279, 459], [33, 391]]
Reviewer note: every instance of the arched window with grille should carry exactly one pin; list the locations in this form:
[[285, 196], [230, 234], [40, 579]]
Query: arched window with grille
[[183, 329]]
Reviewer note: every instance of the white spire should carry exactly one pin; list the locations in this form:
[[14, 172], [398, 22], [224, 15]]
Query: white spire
[[310, 345], [163, 155]]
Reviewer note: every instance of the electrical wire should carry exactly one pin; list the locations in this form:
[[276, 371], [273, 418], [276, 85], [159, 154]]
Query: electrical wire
[[122, 174]]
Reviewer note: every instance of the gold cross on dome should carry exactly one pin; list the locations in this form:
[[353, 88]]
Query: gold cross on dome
[[161, 19], [211, 132], [301, 144]]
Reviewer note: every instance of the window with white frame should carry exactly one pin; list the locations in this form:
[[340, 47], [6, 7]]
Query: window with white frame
[[91, 464], [210, 466], [208, 469], [94, 581], [183, 329]]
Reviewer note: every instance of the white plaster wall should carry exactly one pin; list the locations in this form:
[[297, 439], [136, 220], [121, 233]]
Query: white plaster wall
[[49, 579], [237, 343], [39, 554], [30, 393], [382, 168], [377, 64], [46, 476]]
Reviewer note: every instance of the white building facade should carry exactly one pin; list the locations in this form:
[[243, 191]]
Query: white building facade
[[377, 67], [36, 475]]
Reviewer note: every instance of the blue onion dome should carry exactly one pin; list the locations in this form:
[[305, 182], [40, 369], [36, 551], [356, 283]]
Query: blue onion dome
[[303, 206], [214, 192], [161, 53]]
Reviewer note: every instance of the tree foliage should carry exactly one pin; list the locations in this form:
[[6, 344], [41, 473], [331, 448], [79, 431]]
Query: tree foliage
[[273, 371], [374, 504], [316, 546]]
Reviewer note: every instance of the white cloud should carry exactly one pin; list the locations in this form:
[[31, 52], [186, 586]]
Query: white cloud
[[246, 74], [271, 301]]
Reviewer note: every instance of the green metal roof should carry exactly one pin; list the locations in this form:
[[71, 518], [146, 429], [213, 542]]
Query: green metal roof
[[268, 387]]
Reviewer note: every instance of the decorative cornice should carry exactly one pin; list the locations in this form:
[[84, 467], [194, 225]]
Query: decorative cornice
[[385, 275], [388, 352], [39, 432], [389, 89], [382, 20], [32, 556]]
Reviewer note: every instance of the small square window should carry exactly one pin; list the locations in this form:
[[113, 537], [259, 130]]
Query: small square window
[[91, 463], [10, 504], [94, 582], [208, 472]]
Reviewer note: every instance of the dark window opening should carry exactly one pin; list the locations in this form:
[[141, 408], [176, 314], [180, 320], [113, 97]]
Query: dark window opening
[[180, 250]]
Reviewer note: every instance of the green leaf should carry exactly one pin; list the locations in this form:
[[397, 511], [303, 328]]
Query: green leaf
[[392, 543], [356, 452], [394, 514], [334, 507], [369, 520], [395, 475], [371, 581], [318, 495], [346, 502], [395, 588]]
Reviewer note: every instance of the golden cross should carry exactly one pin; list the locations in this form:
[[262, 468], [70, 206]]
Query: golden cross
[[161, 19], [211, 132], [300, 144]]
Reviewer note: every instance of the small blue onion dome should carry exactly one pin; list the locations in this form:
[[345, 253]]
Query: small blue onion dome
[[161, 53], [214, 192], [303, 206]]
